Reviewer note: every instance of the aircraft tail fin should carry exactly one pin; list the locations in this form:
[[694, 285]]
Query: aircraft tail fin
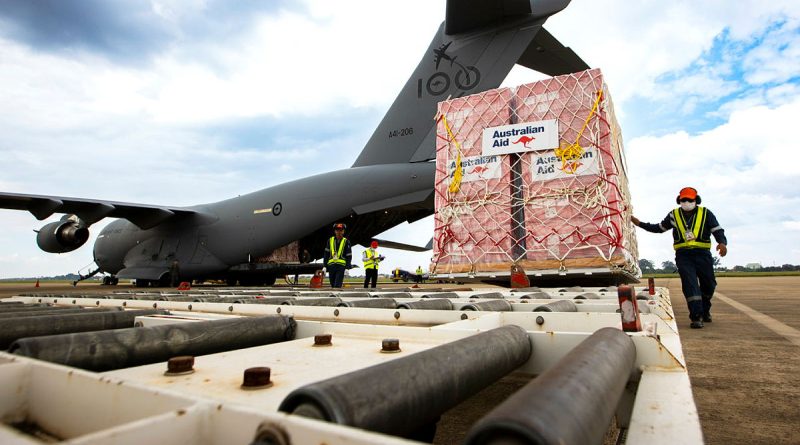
[[472, 51]]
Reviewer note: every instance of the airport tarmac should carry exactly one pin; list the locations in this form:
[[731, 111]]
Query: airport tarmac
[[744, 366]]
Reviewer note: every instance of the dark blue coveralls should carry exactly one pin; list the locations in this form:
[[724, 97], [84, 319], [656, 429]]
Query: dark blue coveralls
[[337, 259], [693, 257]]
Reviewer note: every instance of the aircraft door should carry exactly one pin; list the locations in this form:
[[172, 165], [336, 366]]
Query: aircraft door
[[200, 251]]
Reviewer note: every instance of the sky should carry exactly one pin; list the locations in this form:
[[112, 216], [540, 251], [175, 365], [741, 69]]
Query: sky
[[180, 102]]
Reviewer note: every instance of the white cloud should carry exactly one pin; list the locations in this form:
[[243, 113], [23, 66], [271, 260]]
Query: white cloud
[[745, 170], [77, 124]]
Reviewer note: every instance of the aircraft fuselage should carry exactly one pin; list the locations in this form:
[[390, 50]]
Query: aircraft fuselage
[[235, 231]]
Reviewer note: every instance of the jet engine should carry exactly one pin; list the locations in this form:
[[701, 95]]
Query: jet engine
[[63, 236]]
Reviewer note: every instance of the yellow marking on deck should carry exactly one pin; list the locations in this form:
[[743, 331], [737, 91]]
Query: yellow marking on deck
[[784, 330]]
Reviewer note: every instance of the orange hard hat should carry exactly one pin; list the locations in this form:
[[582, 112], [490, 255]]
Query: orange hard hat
[[688, 192], [339, 226], [374, 244]]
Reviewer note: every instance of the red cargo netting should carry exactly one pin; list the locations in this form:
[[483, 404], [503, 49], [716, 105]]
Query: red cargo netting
[[560, 208]]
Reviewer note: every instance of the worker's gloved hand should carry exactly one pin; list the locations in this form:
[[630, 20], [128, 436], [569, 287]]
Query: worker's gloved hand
[[635, 220], [722, 249]]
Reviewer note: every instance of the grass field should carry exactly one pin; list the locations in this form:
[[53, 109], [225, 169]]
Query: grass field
[[730, 274]]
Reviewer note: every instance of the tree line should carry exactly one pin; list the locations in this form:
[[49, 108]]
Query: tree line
[[648, 266]]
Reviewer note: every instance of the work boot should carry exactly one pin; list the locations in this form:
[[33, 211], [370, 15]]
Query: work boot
[[696, 324], [707, 318]]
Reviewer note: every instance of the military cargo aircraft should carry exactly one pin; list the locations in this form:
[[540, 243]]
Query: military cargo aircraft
[[390, 182]]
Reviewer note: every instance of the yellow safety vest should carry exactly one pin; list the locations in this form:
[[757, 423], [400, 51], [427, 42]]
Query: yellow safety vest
[[336, 256], [372, 260], [697, 228]]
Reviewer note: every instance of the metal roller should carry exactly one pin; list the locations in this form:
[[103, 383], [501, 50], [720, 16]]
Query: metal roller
[[74, 310], [441, 295], [178, 298], [123, 348], [243, 300], [558, 306], [272, 300], [324, 301], [394, 295], [208, 300], [405, 395], [376, 303], [491, 305], [11, 329], [572, 402], [145, 297], [526, 289], [35, 308], [352, 294], [487, 295], [536, 296], [437, 304]]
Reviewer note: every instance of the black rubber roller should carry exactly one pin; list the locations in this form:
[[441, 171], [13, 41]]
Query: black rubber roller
[[571, 403]]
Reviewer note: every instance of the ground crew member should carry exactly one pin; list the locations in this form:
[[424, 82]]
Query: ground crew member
[[337, 255], [371, 261], [692, 227], [420, 273], [175, 273]]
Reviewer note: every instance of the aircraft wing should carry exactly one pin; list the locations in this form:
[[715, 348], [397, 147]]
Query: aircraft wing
[[547, 55], [404, 246], [92, 210]]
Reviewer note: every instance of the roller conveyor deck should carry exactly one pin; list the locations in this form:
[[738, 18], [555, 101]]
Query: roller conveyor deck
[[348, 374]]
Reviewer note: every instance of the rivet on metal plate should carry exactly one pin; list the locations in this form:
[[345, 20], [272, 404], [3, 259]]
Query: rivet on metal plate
[[180, 365], [323, 340], [256, 378], [390, 345]]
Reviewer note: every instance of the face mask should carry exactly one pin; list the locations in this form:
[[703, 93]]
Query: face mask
[[687, 206]]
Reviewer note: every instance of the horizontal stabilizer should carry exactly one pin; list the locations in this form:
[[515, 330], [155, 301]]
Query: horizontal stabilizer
[[468, 15], [402, 246], [91, 210], [547, 55]]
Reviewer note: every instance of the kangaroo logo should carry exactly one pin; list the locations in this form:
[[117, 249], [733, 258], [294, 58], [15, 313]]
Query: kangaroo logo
[[524, 140], [478, 169], [570, 167]]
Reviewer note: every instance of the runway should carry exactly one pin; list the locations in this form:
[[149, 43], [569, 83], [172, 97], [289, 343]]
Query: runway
[[745, 365]]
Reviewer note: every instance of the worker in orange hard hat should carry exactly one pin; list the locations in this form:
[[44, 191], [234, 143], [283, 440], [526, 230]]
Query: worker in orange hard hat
[[692, 227], [371, 261], [337, 255]]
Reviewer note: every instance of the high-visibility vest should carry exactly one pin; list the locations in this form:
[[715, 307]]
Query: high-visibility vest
[[420, 271], [337, 256], [370, 259], [701, 240]]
